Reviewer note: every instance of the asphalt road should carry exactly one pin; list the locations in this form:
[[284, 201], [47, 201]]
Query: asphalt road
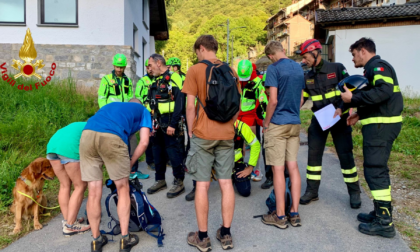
[[327, 225]]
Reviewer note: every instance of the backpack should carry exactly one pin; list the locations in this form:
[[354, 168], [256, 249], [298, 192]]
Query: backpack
[[271, 200], [223, 98], [143, 216]]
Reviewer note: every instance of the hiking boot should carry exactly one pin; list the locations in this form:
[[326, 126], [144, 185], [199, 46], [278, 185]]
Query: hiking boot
[[382, 225], [126, 244], [366, 217], [157, 186], [191, 195], [76, 228], [267, 184], [295, 220], [202, 245], [151, 167], [226, 240], [96, 246], [355, 201], [177, 189], [272, 219], [308, 197]]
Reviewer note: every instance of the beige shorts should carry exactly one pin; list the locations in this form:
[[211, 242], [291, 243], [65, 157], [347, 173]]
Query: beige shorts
[[281, 143], [97, 149]]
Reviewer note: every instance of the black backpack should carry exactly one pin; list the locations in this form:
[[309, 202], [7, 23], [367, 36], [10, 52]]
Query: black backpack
[[223, 98]]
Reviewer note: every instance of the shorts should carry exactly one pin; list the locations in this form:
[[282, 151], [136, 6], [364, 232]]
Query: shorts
[[205, 154], [250, 120], [97, 149], [281, 143], [63, 159]]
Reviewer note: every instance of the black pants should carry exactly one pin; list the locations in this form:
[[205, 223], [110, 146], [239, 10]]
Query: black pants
[[341, 134], [149, 153], [165, 147], [377, 145]]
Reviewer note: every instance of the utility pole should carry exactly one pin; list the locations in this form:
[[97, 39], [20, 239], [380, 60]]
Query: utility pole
[[227, 53]]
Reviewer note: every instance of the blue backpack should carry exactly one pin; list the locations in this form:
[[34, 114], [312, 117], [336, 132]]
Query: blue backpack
[[271, 200], [143, 216]]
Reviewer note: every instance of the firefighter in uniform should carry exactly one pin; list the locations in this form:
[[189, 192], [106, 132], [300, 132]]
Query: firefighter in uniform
[[379, 108], [142, 89], [321, 84], [174, 64], [167, 105]]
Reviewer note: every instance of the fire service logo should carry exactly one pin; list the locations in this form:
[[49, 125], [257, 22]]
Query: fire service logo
[[27, 53]]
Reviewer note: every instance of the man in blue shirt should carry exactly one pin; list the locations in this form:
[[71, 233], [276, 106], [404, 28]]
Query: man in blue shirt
[[286, 81], [105, 140]]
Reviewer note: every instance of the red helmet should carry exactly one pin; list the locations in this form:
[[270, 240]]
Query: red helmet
[[308, 46]]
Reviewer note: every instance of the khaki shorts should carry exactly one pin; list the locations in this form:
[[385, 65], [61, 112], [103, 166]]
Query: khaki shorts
[[97, 149], [281, 143], [205, 154]]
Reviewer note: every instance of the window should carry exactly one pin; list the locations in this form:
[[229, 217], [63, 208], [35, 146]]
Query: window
[[145, 13], [135, 39], [59, 12], [142, 53], [13, 11]]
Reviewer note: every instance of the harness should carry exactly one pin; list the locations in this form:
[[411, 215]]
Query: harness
[[29, 184], [117, 85]]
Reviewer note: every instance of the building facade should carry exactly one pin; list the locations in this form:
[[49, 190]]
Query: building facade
[[82, 36]]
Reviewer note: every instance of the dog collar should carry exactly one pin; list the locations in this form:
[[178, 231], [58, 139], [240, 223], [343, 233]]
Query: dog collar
[[27, 181]]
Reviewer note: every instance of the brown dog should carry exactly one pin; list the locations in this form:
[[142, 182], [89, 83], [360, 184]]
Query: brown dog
[[31, 182]]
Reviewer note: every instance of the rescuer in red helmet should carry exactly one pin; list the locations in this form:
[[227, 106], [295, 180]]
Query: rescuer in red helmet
[[321, 84]]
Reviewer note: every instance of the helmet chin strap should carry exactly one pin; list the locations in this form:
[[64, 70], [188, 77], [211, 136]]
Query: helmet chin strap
[[316, 59]]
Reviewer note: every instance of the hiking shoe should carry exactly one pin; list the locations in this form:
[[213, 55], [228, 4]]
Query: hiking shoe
[[366, 217], [126, 244], [157, 186], [355, 201], [151, 167], [96, 246], [273, 220], [191, 195], [139, 175], [294, 221], [308, 197], [76, 228], [267, 184], [202, 245], [177, 189], [226, 240]]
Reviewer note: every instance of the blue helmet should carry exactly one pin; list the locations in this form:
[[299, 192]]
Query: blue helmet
[[353, 83]]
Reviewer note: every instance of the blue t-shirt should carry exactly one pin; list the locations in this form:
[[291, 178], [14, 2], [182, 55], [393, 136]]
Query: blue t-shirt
[[120, 118], [287, 76]]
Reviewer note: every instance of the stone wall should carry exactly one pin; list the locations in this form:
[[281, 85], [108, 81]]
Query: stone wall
[[87, 64]]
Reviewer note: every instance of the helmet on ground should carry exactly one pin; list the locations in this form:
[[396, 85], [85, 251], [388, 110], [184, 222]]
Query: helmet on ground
[[146, 64], [353, 83], [174, 61], [245, 70], [119, 60], [309, 46]]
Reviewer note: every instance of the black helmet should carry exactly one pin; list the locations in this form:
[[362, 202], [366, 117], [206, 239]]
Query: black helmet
[[354, 82]]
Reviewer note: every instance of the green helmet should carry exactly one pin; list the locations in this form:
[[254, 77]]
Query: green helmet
[[245, 70], [174, 61], [146, 63], [119, 60]]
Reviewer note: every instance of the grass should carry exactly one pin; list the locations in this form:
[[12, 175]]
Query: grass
[[27, 121], [404, 161]]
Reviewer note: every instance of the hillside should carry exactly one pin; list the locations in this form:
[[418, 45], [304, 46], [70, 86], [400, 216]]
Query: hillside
[[188, 19]]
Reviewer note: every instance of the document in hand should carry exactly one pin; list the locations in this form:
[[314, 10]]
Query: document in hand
[[325, 117]]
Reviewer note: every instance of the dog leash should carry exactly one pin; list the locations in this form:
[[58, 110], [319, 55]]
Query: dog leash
[[49, 208]]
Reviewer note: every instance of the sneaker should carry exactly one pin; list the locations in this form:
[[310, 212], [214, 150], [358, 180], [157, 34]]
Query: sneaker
[[96, 246], [191, 195], [76, 228], [308, 197], [157, 186], [202, 245], [258, 176], [253, 175], [226, 240], [177, 189], [126, 244], [151, 167], [267, 184], [294, 221], [139, 175], [273, 220]]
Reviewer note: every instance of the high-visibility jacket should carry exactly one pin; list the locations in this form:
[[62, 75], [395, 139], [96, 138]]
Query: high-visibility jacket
[[243, 133], [114, 89], [382, 101], [320, 85], [142, 89], [165, 97], [254, 91]]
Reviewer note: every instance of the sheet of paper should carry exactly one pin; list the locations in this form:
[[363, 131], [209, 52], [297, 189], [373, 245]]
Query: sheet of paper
[[325, 117]]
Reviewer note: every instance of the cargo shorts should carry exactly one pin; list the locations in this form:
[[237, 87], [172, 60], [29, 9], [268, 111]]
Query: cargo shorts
[[281, 143], [205, 154]]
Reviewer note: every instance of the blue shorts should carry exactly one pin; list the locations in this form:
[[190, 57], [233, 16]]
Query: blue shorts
[[63, 159]]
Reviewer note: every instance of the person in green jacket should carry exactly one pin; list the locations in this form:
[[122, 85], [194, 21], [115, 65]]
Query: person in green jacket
[[142, 86], [174, 64], [116, 87]]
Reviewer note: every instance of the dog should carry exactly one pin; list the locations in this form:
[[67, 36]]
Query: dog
[[30, 182]]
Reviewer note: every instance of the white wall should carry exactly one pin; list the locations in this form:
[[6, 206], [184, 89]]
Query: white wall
[[100, 23], [133, 14], [398, 45]]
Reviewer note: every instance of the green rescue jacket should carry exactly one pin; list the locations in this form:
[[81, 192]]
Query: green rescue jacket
[[253, 91], [114, 89], [244, 133], [142, 89]]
